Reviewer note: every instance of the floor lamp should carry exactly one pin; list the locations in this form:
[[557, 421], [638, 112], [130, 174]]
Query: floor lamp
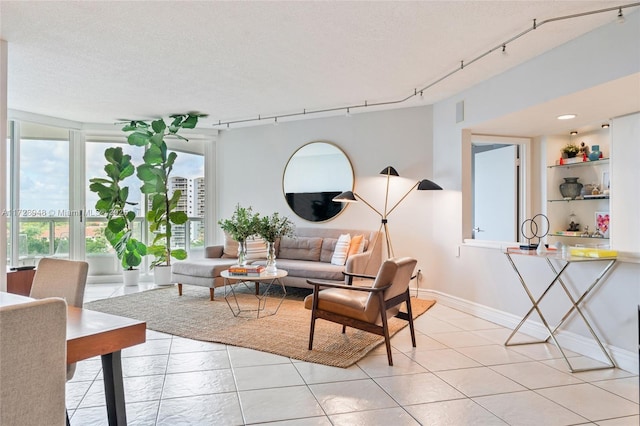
[[352, 197]]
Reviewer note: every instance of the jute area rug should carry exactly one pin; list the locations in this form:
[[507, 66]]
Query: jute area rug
[[286, 333]]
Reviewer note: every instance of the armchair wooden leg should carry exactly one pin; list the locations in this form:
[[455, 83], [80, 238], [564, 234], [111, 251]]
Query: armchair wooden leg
[[385, 327], [212, 291], [179, 289], [410, 319], [314, 308], [312, 329]]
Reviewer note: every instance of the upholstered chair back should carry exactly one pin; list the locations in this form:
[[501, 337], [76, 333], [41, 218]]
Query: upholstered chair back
[[33, 361], [397, 272], [60, 278]]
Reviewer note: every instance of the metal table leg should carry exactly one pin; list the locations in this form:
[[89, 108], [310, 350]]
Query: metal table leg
[[114, 388], [575, 306]]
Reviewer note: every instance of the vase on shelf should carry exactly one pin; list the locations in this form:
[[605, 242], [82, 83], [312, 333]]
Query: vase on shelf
[[242, 253], [271, 258], [570, 188], [595, 153]]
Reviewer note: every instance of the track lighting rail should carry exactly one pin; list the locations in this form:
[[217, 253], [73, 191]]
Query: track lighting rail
[[463, 64]]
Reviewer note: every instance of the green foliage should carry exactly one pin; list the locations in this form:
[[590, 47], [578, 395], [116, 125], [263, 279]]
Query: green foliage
[[113, 204], [154, 174], [243, 223], [273, 227], [570, 148]]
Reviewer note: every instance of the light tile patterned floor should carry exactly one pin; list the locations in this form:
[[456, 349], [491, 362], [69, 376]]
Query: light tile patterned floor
[[459, 374]]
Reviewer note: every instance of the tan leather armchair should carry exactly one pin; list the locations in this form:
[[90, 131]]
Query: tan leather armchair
[[366, 307]]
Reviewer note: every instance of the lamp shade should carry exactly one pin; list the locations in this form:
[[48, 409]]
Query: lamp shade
[[427, 185], [345, 197], [389, 171]]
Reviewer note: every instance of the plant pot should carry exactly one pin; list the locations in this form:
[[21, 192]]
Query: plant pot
[[162, 275], [131, 277]]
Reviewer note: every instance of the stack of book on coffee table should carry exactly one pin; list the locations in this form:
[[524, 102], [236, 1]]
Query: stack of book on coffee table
[[246, 271]]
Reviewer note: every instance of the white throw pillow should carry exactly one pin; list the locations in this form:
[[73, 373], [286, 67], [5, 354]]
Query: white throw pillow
[[342, 249], [256, 248]]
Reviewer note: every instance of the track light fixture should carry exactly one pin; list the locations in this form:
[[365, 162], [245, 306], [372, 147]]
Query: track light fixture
[[463, 64]]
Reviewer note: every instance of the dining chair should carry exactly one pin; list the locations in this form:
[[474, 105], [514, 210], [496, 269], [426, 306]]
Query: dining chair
[[61, 278], [33, 358], [366, 307]]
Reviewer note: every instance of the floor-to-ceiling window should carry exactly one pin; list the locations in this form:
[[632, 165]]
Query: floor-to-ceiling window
[[186, 176], [46, 171], [98, 252], [38, 201]]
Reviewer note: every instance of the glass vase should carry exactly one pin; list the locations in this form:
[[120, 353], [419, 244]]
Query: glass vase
[[271, 258], [242, 253]]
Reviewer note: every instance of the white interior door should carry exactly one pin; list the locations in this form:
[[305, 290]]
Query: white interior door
[[495, 194]]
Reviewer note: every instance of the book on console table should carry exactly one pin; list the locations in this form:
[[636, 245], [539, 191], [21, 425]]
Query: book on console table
[[246, 271]]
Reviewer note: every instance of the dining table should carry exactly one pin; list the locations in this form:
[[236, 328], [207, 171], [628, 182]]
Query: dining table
[[90, 334]]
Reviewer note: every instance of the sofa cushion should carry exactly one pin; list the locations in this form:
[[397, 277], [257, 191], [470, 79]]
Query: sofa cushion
[[301, 248], [209, 268], [230, 247], [328, 247], [342, 250], [256, 248], [357, 245], [311, 270]]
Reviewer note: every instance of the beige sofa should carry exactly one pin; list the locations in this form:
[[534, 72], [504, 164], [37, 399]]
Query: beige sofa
[[307, 256]]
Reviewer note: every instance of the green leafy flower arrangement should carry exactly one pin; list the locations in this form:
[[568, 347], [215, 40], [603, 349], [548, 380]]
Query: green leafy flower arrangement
[[275, 226], [243, 223]]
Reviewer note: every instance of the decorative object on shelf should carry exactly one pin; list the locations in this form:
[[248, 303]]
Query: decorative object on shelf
[[270, 228], [595, 153], [573, 223], [606, 183], [570, 188], [602, 225], [352, 197], [536, 227], [242, 225], [570, 150]]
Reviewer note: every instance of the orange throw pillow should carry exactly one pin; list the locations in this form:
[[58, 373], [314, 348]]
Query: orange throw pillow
[[357, 245]]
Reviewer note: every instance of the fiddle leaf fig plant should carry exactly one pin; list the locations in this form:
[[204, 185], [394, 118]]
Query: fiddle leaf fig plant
[[155, 175], [113, 203]]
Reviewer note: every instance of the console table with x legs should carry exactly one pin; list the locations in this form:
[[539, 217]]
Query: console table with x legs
[[558, 265]]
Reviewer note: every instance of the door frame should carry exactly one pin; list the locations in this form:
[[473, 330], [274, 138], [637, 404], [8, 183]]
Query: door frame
[[524, 184]]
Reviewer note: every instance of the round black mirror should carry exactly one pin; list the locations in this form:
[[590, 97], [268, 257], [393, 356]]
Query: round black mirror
[[314, 175]]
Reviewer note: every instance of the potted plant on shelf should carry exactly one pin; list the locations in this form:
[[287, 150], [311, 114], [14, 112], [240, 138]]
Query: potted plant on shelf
[[242, 225], [114, 204], [570, 150], [155, 173], [270, 228]]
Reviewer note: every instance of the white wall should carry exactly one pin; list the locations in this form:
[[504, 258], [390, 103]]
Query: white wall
[[3, 161], [425, 142], [251, 162], [483, 276]]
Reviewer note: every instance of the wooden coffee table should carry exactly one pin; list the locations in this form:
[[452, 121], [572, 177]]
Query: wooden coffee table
[[270, 279]]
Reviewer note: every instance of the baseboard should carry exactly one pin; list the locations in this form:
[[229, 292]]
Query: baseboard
[[624, 359]]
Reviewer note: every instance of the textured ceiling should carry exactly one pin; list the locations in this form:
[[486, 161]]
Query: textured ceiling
[[99, 61]]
